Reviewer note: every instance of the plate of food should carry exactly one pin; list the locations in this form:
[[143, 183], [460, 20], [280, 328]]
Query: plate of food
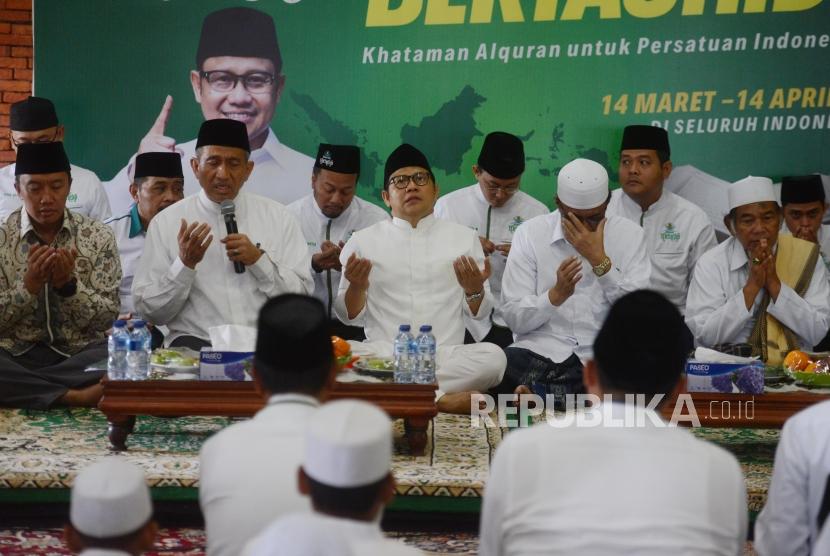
[[178, 360], [809, 368], [381, 367]]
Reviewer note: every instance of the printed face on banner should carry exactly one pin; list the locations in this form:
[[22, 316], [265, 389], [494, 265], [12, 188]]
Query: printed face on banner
[[221, 171], [333, 191], [414, 201], [254, 109], [497, 191], [641, 174]]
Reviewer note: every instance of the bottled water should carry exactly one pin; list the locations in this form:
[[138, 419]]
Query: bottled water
[[402, 354], [425, 373], [138, 354], [117, 351]]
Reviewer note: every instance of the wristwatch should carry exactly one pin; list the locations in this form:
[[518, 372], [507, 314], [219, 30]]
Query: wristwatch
[[603, 267], [474, 296]]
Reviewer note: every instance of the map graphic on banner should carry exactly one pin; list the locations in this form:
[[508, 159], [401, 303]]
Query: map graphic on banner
[[742, 86]]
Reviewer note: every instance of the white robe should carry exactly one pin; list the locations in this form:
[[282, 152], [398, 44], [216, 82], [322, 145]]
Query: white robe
[[412, 281], [646, 490], [468, 207], [317, 227], [190, 301]]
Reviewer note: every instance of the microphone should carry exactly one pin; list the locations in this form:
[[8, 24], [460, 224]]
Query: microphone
[[228, 210]]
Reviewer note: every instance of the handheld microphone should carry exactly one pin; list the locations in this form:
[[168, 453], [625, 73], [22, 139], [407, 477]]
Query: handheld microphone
[[228, 210]]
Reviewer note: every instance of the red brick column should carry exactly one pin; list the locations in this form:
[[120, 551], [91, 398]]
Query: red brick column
[[15, 64]]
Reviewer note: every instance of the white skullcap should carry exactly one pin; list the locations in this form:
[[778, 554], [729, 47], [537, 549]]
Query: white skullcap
[[751, 189], [348, 444], [582, 184], [110, 498]]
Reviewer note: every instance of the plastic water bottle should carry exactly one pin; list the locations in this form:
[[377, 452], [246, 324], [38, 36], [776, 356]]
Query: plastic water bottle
[[401, 353], [117, 351], [138, 354], [425, 373]]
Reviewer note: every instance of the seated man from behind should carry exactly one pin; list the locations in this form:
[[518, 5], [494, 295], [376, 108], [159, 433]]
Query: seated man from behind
[[346, 471], [791, 521], [329, 216], [189, 282], [645, 488], [565, 270], [34, 120], [158, 184], [110, 511], [59, 276], [293, 362], [759, 287], [416, 269]]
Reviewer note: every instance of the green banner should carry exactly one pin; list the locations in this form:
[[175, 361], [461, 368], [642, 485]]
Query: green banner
[[743, 86]]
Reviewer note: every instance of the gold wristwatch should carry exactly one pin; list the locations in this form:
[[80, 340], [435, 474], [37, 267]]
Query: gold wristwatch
[[603, 267]]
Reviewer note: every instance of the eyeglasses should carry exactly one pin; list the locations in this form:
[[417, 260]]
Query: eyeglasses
[[26, 140], [402, 181], [494, 189], [225, 81]]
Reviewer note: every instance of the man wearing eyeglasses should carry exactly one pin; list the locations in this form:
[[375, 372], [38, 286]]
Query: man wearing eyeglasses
[[239, 76], [416, 269], [34, 120], [564, 272], [495, 208]]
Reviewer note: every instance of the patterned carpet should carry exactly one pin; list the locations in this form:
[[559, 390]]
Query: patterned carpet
[[44, 450]]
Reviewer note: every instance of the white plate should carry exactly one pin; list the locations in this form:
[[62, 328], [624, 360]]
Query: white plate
[[182, 376], [170, 368]]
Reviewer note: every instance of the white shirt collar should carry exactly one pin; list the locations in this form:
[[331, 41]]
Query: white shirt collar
[[555, 219], [424, 223], [293, 398], [270, 148], [343, 215], [26, 222], [634, 206]]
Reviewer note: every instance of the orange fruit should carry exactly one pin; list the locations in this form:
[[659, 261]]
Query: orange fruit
[[341, 347], [796, 360], [810, 368]]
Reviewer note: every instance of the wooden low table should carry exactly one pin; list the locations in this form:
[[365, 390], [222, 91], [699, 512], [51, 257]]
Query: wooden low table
[[123, 400], [767, 410]]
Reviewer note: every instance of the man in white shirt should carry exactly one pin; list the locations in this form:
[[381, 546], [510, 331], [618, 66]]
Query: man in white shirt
[[34, 120], [110, 511], [789, 523], [803, 204], [239, 76], [346, 471], [677, 231], [564, 271], [630, 483], [495, 208], [416, 269], [329, 216], [759, 287], [158, 184], [266, 256], [292, 364]]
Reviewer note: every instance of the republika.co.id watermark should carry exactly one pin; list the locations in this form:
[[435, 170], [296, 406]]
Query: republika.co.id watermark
[[589, 410]]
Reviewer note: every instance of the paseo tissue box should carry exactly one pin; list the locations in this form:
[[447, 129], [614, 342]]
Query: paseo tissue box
[[728, 378], [225, 365]]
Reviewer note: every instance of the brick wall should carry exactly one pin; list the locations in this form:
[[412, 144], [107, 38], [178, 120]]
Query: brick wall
[[15, 64]]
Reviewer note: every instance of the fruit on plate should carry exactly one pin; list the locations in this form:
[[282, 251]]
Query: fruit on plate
[[342, 352], [797, 360], [173, 358]]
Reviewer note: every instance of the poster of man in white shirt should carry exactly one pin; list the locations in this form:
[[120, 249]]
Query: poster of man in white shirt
[[238, 75], [190, 282]]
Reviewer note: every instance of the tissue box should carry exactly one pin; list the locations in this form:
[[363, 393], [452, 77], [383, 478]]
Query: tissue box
[[225, 365], [728, 378]]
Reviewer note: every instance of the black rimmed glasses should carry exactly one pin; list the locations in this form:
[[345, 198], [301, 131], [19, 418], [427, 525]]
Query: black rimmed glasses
[[402, 181], [224, 81]]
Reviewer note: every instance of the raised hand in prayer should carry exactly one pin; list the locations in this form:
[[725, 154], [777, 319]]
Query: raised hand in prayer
[[761, 265], [194, 239], [357, 272], [40, 262], [469, 276], [328, 258], [63, 268], [588, 243], [155, 140], [567, 275], [240, 249], [487, 245]]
